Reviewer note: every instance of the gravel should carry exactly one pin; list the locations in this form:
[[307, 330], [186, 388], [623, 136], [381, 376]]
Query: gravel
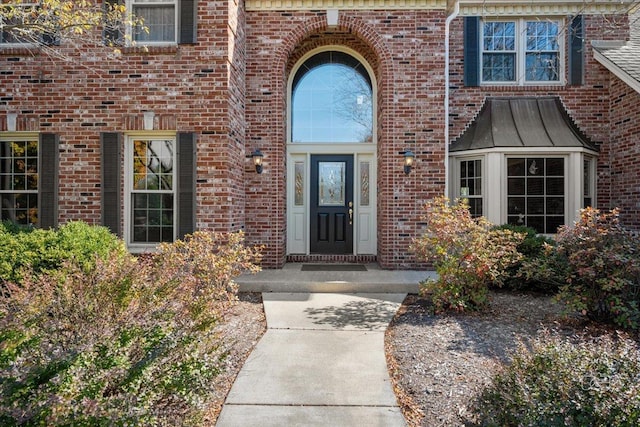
[[439, 364]]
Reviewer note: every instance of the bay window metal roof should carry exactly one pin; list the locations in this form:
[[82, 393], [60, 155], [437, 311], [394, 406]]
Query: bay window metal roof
[[521, 122]]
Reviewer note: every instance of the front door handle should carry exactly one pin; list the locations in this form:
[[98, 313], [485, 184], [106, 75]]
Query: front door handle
[[350, 213]]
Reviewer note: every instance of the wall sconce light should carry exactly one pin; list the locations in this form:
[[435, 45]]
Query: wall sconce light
[[257, 157], [409, 160]]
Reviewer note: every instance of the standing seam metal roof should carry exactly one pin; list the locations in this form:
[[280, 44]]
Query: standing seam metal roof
[[521, 122]]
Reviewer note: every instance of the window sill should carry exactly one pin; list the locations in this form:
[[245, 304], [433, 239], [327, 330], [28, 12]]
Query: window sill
[[169, 49], [13, 50]]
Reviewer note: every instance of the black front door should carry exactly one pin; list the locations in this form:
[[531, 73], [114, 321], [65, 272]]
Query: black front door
[[331, 204]]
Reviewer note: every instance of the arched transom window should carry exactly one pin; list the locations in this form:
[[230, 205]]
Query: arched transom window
[[331, 100]]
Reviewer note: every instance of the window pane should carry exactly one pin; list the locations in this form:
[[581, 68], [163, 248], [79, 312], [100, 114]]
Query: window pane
[[555, 167], [515, 167], [516, 186], [332, 100], [555, 186], [535, 186], [516, 206], [555, 205], [498, 67], [160, 23]]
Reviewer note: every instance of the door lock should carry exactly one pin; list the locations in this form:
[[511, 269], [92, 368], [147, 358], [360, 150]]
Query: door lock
[[350, 213]]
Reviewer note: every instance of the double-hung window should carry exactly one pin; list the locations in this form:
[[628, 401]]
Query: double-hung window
[[523, 51], [160, 23], [16, 25], [19, 180], [471, 185], [151, 193]]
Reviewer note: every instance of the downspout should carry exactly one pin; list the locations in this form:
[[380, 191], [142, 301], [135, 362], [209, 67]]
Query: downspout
[[451, 17]]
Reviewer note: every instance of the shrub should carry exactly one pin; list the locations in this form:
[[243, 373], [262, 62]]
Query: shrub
[[46, 250], [603, 280], [467, 253], [522, 275], [129, 342], [562, 383]]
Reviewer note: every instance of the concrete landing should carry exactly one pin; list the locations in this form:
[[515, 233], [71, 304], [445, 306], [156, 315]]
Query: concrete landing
[[320, 363], [291, 278]]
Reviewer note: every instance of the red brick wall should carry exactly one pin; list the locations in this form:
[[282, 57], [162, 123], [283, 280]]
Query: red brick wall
[[230, 88], [624, 156], [405, 49], [191, 88]]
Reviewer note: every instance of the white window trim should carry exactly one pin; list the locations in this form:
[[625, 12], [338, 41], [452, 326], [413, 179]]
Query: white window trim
[[137, 247], [129, 32], [520, 52], [456, 178]]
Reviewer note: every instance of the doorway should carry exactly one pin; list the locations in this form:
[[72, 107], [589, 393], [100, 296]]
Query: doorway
[[331, 204]]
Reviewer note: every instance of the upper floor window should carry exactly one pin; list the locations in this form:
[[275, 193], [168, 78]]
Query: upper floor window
[[16, 25], [159, 21], [520, 51], [331, 98]]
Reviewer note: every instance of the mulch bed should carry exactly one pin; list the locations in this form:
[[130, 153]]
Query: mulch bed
[[440, 363]]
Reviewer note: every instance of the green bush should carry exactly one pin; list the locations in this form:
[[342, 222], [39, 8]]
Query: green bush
[[533, 250], [468, 254], [41, 250], [603, 278], [129, 342], [562, 383]]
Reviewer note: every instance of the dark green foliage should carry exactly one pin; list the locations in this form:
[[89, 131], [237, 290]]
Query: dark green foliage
[[562, 383], [23, 248], [533, 250]]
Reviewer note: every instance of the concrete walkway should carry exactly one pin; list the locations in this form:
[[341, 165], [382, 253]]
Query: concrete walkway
[[321, 361]]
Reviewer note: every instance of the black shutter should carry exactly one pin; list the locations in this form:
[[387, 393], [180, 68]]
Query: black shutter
[[471, 51], [112, 33], [48, 154], [186, 153], [110, 181], [188, 23], [576, 51]]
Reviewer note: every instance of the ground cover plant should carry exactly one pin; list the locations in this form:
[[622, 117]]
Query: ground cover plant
[[562, 382], [129, 341], [27, 248]]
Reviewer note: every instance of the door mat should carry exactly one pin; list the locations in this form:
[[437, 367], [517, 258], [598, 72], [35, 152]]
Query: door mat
[[333, 267]]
